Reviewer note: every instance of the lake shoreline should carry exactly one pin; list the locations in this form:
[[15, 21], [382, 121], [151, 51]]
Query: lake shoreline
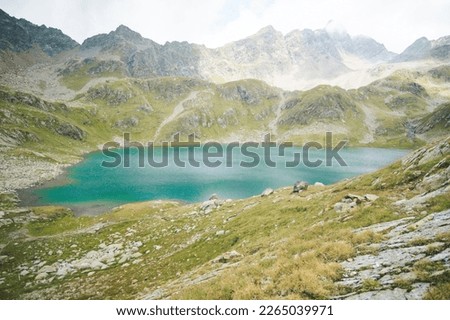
[[150, 189]]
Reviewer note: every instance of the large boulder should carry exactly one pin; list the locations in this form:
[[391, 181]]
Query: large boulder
[[267, 192], [300, 186]]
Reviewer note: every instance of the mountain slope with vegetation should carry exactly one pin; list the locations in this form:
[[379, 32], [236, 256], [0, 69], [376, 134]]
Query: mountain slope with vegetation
[[300, 59], [404, 110], [318, 243]]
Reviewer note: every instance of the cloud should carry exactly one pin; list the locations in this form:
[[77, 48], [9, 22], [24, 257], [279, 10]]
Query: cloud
[[216, 22]]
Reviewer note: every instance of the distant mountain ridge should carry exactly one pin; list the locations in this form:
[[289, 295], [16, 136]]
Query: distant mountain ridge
[[300, 59], [268, 53], [20, 35]]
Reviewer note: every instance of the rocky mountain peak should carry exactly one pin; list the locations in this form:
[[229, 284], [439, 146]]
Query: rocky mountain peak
[[122, 38], [268, 35], [419, 49], [335, 29], [20, 35], [267, 30], [127, 33]]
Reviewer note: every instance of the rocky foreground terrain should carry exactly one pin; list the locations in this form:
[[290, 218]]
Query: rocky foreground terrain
[[383, 235]]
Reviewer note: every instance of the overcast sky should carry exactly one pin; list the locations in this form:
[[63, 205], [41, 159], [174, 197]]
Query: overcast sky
[[395, 23]]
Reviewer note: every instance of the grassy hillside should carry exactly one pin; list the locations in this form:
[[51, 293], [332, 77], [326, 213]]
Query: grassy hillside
[[285, 245], [155, 109], [39, 137]]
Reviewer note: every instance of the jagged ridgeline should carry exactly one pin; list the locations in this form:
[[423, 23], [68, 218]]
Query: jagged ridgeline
[[60, 100]]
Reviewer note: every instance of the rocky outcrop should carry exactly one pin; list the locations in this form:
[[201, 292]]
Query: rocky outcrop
[[398, 259], [439, 119], [69, 130], [15, 137], [91, 67], [441, 72], [300, 186], [110, 95], [30, 100], [127, 123], [351, 201], [328, 105], [423, 48], [22, 172], [101, 258], [267, 192]]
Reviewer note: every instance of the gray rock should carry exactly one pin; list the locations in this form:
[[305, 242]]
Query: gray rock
[[112, 96], [353, 198], [145, 108], [227, 257], [127, 123], [82, 265], [23, 273], [370, 197], [137, 244], [123, 259], [41, 276], [47, 269], [114, 247], [396, 256], [319, 184], [338, 206], [136, 255], [267, 192], [214, 196], [395, 294], [208, 206], [64, 269], [300, 186], [380, 227], [418, 292], [92, 254], [23, 35], [344, 206], [97, 265], [157, 294]]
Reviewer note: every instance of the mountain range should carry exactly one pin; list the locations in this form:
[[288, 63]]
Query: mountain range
[[298, 60], [131, 83]]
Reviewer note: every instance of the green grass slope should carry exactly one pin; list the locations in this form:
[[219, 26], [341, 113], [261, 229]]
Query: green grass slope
[[283, 246]]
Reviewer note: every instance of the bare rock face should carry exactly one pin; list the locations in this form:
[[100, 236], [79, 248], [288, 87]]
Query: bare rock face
[[351, 201], [127, 123], [423, 48], [112, 96], [227, 257], [394, 258]]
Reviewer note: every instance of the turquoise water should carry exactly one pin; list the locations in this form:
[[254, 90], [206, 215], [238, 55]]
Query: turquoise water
[[89, 184]]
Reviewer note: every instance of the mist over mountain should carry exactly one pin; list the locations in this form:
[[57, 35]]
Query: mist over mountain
[[20, 34], [423, 48], [296, 60]]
